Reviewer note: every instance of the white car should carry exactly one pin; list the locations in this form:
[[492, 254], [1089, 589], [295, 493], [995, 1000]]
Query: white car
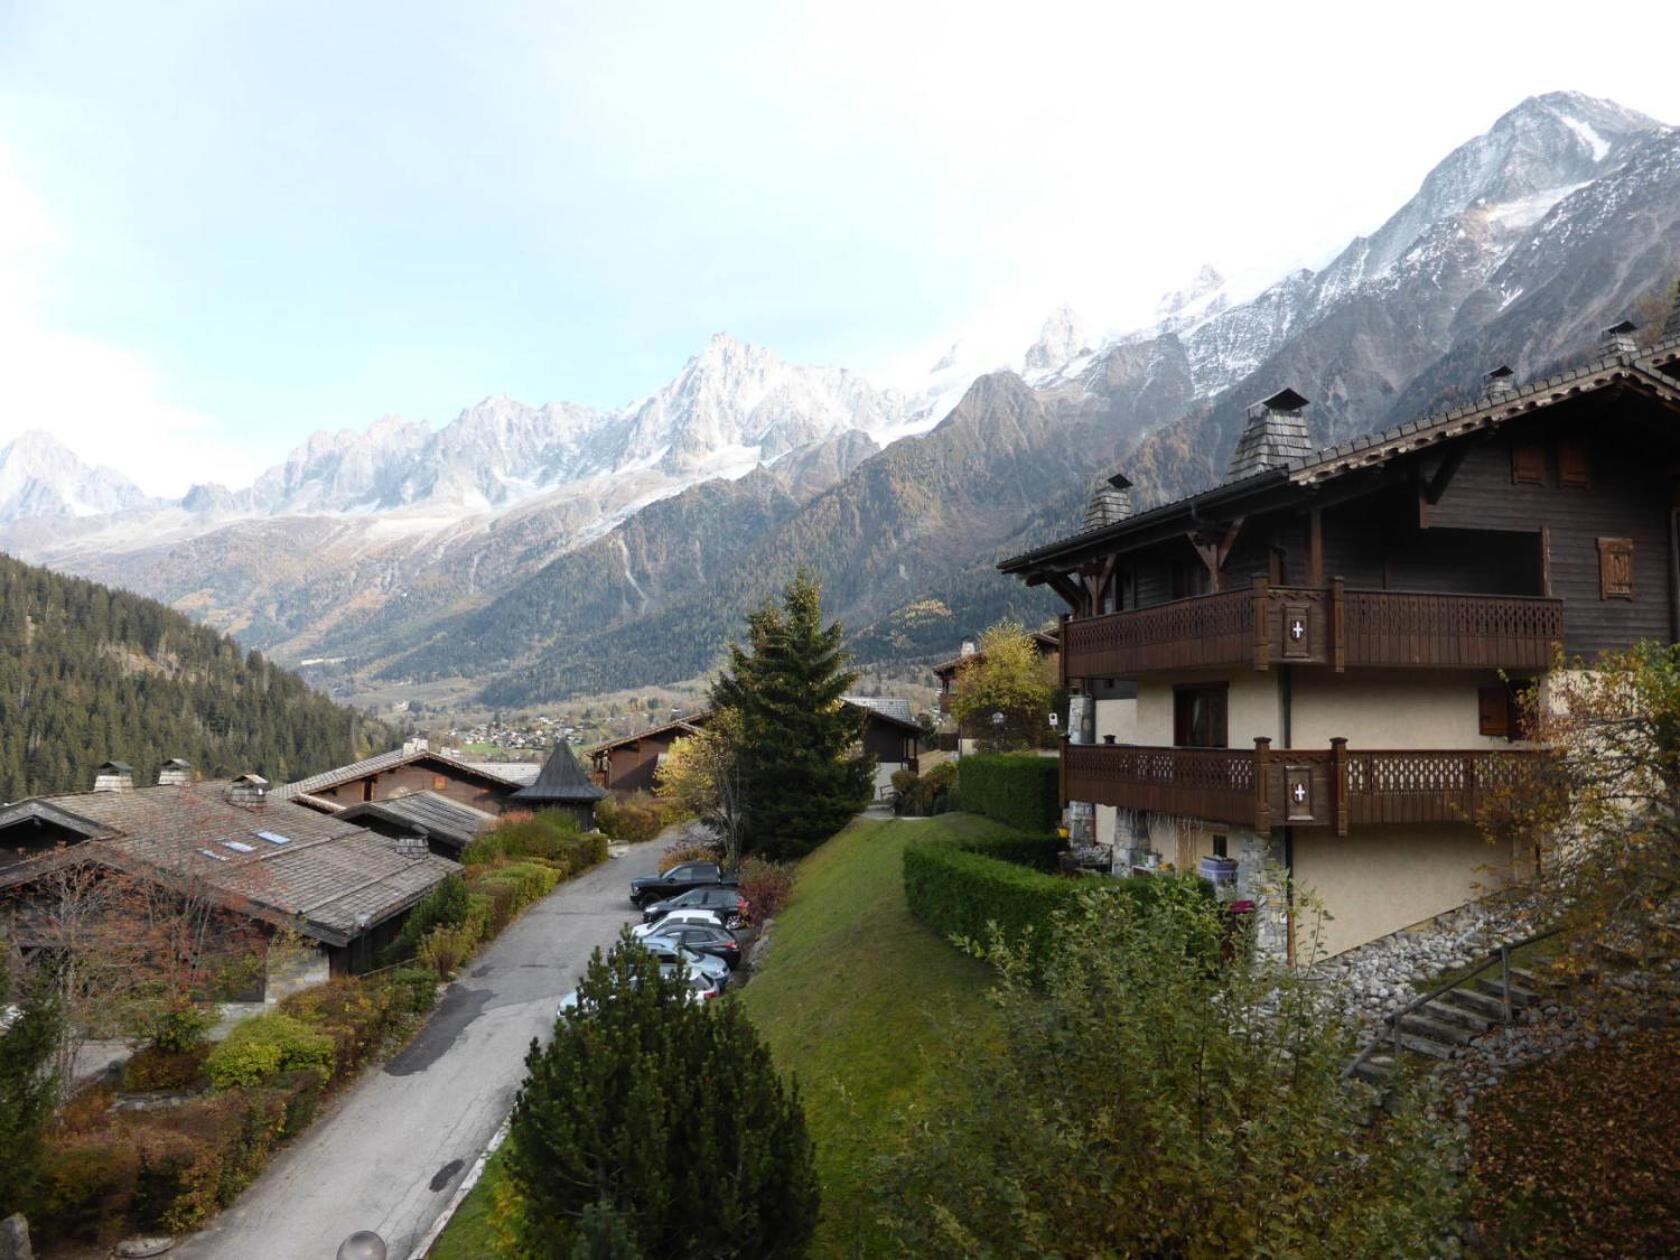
[[701, 988], [672, 952], [707, 917]]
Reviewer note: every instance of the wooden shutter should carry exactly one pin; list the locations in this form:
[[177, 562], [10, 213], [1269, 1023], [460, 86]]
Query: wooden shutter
[[1528, 464], [1572, 465], [1615, 568], [1493, 710]]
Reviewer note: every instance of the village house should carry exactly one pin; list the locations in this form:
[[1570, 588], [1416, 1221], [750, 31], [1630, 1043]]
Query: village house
[[415, 767], [561, 785], [1326, 647], [340, 889], [966, 739], [891, 736]]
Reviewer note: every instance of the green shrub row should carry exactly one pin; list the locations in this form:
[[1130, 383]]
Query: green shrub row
[[966, 888], [552, 835], [109, 1173], [1019, 791]]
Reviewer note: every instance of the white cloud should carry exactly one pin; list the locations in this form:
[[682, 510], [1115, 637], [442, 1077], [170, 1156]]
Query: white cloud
[[105, 402]]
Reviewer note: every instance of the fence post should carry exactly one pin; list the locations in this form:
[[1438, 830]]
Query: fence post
[[1262, 786], [1338, 785], [1262, 625]]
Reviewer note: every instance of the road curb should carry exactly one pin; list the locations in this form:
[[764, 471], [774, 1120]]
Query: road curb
[[429, 1239]]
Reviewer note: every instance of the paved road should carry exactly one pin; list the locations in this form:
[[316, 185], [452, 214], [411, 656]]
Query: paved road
[[390, 1155]]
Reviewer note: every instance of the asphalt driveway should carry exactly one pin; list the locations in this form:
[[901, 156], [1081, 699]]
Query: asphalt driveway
[[390, 1154]]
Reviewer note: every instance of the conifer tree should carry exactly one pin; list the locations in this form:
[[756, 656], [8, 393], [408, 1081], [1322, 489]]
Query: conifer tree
[[663, 1114], [803, 774], [28, 1086]]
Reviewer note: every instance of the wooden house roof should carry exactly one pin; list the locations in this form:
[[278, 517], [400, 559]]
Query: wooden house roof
[[382, 762], [561, 780]]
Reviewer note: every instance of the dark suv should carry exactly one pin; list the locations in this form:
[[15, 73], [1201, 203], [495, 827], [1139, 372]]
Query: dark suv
[[679, 879], [722, 900]]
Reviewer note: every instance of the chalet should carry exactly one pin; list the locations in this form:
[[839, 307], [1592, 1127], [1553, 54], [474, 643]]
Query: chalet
[[561, 785], [339, 887], [1325, 647], [890, 735], [446, 826], [1048, 645], [415, 767]]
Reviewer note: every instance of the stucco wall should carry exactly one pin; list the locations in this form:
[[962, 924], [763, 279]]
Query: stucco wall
[[1119, 719], [1377, 880], [1390, 709], [1252, 707]]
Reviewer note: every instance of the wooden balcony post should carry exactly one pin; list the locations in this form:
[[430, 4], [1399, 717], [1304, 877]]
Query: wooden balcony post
[[1262, 786], [1062, 650], [1262, 625], [1338, 638], [1315, 548], [1338, 785], [1062, 774]]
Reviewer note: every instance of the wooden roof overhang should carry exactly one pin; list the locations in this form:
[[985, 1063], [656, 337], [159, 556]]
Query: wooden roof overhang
[[1346, 471]]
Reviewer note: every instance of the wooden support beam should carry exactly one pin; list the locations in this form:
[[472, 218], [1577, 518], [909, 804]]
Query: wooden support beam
[[1214, 549], [1262, 786], [1546, 561], [1338, 785], [1315, 547], [1068, 589]]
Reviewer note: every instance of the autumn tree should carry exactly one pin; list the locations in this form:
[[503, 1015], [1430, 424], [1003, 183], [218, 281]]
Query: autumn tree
[[30, 1022], [1007, 677], [701, 776], [802, 772], [1162, 1088]]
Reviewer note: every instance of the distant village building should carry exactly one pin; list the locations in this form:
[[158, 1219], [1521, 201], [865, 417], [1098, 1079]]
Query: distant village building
[[967, 738], [631, 763], [1327, 648], [340, 887], [415, 767]]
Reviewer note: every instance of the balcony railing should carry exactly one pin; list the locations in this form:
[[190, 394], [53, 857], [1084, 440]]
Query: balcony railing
[[1266, 787], [1265, 625]]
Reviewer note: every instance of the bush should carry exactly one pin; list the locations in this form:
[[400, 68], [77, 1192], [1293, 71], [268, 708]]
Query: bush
[[177, 1025], [617, 1106], [260, 1048], [523, 835], [632, 817], [961, 891], [688, 851], [445, 905], [1018, 791], [414, 989], [928, 794], [152, 1068], [355, 1014], [86, 1186], [447, 948], [766, 886]]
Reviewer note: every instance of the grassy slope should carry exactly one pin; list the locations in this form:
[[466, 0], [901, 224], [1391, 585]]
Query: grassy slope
[[867, 1007]]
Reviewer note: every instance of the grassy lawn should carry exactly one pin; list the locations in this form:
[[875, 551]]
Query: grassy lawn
[[866, 1006]]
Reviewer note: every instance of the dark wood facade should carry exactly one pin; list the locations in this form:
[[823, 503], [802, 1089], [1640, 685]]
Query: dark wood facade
[[423, 775]]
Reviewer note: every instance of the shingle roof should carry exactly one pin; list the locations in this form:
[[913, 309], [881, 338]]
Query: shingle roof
[[893, 708], [1372, 449], [521, 772], [561, 779], [428, 813], [278, 861], [689, 724], [388, 761]]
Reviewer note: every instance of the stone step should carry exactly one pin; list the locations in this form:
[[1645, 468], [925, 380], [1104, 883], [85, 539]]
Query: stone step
[[1435, 1030], [1375, 1069], [1526, 978], [1443, 1012], [1519, 995], [1483, 1004], [1425, 1046]]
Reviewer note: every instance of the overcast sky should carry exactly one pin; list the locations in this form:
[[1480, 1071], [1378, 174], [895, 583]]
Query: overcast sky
[[224, 225]]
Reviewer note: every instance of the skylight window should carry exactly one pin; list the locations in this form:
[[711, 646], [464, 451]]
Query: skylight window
[[274, 837], [211, 853], [239, 846]]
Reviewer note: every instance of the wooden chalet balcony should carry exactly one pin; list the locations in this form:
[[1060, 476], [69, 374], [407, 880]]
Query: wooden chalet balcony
[[1266, 787], [1264, 625]]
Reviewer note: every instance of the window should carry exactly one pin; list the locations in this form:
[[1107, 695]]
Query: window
[[274, 837], [439, 783], [1528, 464], [1615, 568], [1572, 466], [1199, 716], [1187, 578], [1501, 709], [1219, 847]]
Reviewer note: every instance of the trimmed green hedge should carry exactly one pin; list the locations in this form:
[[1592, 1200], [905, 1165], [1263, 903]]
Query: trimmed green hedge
[[1020, 791], [961, 889]]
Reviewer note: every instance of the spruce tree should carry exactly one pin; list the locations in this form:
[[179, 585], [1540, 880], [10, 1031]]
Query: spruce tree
[[803, 774], [663, 1114], [28, 1087]]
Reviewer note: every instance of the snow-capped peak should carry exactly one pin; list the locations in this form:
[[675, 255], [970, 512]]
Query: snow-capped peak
[[40, 476]]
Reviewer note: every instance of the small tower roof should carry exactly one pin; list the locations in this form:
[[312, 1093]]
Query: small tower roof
[[560, 779]]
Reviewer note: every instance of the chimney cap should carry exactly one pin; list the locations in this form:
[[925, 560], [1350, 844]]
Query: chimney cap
[[177, 763], [1285, 399], [1503, 372], [119, 767], [249, 779], [1119, 481], [1622, 329]]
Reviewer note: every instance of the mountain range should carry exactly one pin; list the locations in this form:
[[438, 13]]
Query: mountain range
[[524, 553]]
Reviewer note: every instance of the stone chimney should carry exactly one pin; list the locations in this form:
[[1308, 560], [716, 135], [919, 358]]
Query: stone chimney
[[967, 649], [412, 746], [1110, 502], [1500, 383], [114, 776], [248, 791], [1276, 434], [1618, 339], [175, 773]]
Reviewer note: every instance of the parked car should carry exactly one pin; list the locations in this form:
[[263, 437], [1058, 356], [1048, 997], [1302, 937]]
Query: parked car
[[679, 879], [726, 902], [705, 918], [702, 938], [701, 988], [674, 952]]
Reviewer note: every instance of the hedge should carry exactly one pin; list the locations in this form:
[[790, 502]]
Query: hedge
[[964, 888], [1019, 791]]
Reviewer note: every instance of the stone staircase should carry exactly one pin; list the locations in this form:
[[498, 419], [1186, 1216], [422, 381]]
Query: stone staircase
[[1437, 1029]]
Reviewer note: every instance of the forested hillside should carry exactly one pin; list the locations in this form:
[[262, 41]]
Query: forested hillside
[[89, 674]]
